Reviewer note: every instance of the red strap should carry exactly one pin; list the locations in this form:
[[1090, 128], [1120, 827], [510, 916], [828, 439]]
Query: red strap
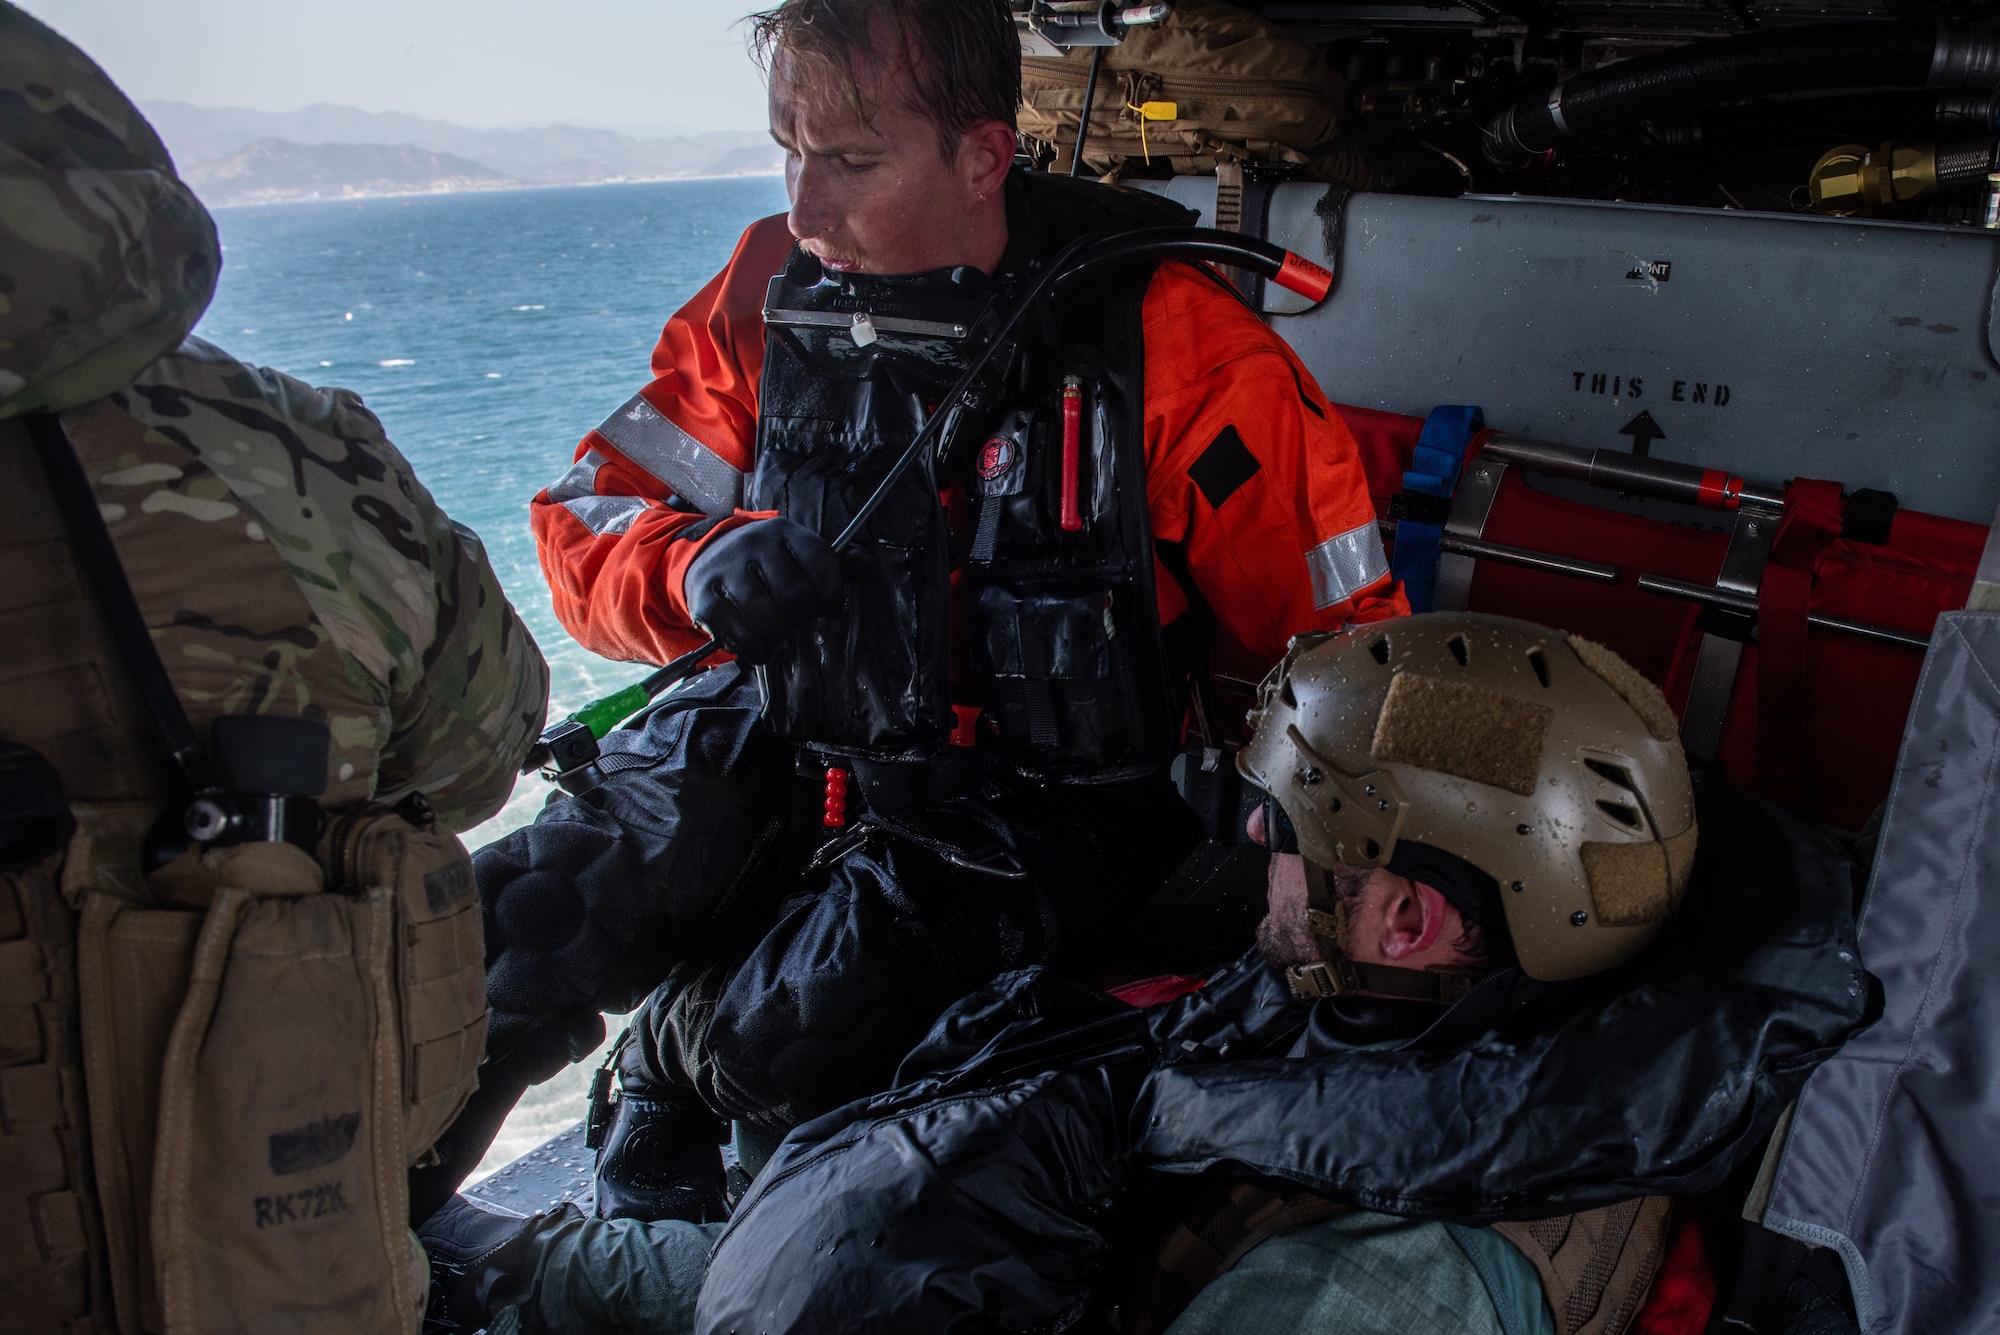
[[1811, 521], [1152, 991], [1072, 430], [965, 725], [1683, 1293]]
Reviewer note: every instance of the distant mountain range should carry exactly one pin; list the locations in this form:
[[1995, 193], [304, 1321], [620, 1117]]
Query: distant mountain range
[[232, 155]]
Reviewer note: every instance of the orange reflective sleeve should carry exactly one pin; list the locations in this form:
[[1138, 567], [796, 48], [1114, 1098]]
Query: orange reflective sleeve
[[1252, 474], [659, 478]]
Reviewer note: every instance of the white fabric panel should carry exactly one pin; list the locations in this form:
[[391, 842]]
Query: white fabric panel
[[1345, 564], [696, 473], [580, 480], [606, 514]]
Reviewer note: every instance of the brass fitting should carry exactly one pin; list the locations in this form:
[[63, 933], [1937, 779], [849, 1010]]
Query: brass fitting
[[1852, 180]]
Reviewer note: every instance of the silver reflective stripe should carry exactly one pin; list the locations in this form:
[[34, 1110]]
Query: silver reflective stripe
[[580, 480], [1345, 564], [606, 514], [697, 474]]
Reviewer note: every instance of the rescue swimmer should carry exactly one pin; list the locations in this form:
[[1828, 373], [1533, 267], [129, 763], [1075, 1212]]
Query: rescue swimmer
[[940, 754], [255, 679]]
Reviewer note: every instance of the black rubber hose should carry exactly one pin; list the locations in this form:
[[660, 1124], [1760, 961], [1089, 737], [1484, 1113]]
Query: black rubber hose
[[1736, 69], [1189, 243]]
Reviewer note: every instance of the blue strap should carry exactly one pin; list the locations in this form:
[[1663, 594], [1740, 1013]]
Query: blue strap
[[1433, 471]]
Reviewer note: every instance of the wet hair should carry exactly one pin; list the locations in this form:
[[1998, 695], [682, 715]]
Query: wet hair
[[963, 55], [1485, 947]]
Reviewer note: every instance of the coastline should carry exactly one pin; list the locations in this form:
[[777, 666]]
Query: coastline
[[476, 188]]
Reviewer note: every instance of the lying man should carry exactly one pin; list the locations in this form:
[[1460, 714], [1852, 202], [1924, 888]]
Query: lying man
[[1474, 1004], [1473, 1009], [952, 760]]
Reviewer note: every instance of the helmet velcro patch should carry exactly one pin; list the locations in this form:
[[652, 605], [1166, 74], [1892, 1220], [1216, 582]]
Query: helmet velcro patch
[[1630, 883], [1464, 730], [1644, 697]]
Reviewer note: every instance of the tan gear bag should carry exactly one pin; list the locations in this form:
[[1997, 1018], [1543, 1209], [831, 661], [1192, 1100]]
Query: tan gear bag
[[51, 1277], [1242, 90], [262, 1072]]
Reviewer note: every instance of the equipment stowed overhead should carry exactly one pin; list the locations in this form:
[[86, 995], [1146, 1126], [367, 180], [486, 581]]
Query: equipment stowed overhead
[[1758, 236]]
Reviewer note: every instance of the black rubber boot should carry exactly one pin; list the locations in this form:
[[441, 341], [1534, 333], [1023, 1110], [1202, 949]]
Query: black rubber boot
[[662, 1159], [480, 1260]]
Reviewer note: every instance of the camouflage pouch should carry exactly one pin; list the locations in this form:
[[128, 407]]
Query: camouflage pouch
[[50, 1253], [440, 958], [280, 1193], [132, 973], [262, 1072]]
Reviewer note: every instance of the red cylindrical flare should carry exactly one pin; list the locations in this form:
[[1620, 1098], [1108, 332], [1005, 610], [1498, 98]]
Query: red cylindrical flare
[[1072, 456], [1299, 274], [836, 798]]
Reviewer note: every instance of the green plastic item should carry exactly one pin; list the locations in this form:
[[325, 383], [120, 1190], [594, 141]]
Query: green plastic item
[[601, 716]]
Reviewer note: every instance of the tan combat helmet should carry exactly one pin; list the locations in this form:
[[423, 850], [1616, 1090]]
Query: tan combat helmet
[[1544, 760]]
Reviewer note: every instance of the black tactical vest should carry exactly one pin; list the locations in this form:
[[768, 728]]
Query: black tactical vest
[[1066, 660]]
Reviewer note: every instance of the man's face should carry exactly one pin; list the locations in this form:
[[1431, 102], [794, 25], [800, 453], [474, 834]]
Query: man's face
[[876, 193], [1282, 935]]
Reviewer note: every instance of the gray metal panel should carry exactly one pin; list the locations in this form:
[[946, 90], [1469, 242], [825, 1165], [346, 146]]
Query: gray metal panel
[[1894, 1150], [1821, 347]]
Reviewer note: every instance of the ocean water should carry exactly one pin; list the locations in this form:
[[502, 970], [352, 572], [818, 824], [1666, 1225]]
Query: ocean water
[[488, 331]]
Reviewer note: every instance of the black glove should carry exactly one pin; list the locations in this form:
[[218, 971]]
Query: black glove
[[757, 585]]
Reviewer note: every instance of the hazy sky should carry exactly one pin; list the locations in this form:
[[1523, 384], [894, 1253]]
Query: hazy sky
[[477, 62]]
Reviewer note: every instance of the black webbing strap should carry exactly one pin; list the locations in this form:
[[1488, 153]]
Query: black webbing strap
[[988, 533], [99, 558], [1040, 703], [1336, 977]]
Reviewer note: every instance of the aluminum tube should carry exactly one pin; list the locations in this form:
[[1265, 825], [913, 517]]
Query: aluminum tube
[[1480, 549], [1747, 605], [1530, 560], [1541, 456], [1615, 470]]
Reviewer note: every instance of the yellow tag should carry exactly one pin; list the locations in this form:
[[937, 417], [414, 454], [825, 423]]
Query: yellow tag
[[1153, 111]]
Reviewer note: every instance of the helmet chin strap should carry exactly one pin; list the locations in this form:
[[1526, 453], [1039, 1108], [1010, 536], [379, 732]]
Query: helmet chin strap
[[1346, 977], [1326, 920]]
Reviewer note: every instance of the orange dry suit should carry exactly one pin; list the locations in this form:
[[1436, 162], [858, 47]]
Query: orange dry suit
[[1256, 512]]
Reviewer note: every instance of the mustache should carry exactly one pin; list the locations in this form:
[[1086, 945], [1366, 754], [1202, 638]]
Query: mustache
[[835, 258]]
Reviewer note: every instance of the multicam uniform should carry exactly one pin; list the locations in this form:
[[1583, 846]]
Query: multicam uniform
[[283, 556], [329, 582]]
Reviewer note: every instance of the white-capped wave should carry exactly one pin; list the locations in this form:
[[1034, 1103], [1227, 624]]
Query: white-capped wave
[[397, 361]]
